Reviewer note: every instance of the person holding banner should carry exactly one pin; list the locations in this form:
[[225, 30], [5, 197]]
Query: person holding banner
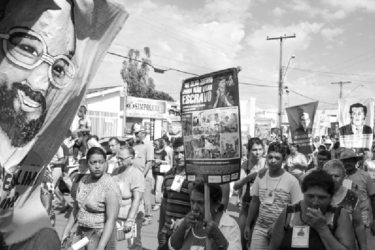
[[220, 228], [271, 194]]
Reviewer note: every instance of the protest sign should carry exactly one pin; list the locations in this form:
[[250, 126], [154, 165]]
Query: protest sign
[[52, 49], [356, 122], [211, 127], [262, 127], [301, 120]]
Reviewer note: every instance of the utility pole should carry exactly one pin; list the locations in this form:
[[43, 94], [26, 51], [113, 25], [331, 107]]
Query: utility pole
[[281, 84], [340, 83]]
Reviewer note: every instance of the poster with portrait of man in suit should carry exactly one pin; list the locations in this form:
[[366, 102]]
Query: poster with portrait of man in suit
[[301, 120], [356, 122]]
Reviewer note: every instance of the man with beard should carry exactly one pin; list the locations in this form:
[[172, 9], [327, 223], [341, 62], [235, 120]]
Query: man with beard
[[361, 184], [40, 90], [29, 67], [34, 59]]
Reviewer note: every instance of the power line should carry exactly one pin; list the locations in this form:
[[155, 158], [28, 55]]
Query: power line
[[308, 97], [200, 67], [368, 52], [330, 72]]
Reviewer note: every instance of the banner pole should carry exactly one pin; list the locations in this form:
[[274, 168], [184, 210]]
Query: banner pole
[[207, 211]]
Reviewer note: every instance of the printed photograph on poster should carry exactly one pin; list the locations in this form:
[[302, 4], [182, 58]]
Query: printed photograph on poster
[[211, 126], [262, 127], [187, 127], [356, 122], [301, 119], [229, 146]]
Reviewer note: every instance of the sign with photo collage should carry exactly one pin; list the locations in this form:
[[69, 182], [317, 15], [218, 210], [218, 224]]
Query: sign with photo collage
[[211, 127]]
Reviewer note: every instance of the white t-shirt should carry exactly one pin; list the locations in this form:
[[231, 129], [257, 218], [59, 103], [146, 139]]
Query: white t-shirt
[[286, 190]]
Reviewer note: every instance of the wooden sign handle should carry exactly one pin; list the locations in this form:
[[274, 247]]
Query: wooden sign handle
[[207, 211]]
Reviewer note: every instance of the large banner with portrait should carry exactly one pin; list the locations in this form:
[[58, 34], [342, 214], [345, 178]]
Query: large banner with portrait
[[50, 51], [356, 122], [211, 127], [301, 120]]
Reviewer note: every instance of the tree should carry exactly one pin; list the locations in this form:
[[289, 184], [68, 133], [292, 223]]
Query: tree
[[135, 73]]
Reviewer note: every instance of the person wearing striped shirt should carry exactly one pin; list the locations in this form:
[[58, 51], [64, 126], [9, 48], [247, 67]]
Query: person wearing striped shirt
[[271, 194], [176, 195]]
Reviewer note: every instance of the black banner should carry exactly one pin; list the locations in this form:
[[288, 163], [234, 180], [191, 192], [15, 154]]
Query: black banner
[[211, 127]]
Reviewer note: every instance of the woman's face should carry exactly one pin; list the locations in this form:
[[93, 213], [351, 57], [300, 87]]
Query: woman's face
[[97, 165], [317, 197], [256, 151]]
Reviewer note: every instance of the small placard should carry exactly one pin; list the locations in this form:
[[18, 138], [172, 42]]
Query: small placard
[[300, 237], [214, 179]]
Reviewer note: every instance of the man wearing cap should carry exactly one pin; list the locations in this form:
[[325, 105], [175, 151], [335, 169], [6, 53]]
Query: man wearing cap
[[361, 184], [347, 199], [144, 156], [357, 125]]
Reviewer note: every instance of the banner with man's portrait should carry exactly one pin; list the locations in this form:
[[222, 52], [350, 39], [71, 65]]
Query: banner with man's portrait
[[301, 120], [356, 122], [49, 53], [211, 127]]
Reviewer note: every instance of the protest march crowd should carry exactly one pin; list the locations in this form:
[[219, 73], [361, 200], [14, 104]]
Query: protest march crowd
[[286, 200], [293, 193]]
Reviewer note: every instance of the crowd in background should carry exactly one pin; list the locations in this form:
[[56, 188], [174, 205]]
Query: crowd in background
[[287, 200]]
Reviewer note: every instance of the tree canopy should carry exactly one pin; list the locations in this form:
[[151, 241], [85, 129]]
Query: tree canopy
[[135, 73]]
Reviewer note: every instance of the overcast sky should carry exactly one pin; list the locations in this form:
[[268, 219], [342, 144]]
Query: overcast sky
[[334, 42]]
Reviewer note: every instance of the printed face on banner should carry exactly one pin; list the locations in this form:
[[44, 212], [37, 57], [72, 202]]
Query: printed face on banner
[[33, 59], [356, 123], [46, 63], [301, 119]]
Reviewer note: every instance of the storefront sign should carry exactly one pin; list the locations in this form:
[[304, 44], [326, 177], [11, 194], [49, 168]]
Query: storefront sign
[[145, 108], [211, 127]]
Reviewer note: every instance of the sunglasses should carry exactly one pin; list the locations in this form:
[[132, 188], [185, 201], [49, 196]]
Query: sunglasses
[[27, 49]]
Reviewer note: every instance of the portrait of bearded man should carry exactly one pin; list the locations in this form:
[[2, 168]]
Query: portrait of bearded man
[[49, 52]]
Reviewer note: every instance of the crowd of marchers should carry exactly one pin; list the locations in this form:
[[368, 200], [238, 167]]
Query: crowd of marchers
[[287, 200]]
